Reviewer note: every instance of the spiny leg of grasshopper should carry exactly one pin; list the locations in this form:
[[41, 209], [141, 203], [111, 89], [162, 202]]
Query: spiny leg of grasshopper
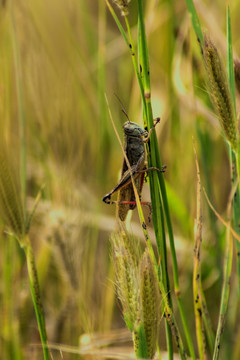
[[157, 120]]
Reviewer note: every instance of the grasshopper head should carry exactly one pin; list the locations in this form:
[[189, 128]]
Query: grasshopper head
[[132, 129]]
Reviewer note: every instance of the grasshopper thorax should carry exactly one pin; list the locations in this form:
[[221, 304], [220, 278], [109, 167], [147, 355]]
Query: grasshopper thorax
[[134, 130]]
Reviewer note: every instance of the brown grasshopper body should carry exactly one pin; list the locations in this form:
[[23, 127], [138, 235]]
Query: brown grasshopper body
[[134, 139]]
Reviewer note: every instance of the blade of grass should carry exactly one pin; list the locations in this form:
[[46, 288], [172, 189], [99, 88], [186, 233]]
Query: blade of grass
[[11, 332], [35, 292], [236, 214], [195, 20], [119, 25], [35, 205], [234, 158]]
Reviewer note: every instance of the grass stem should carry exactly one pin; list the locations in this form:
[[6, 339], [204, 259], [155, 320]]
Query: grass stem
[[35, 292]]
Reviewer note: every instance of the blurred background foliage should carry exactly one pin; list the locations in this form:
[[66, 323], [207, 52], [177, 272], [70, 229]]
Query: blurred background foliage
[[70, 55]]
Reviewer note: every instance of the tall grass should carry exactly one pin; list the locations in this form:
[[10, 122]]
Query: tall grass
[[58, 59]]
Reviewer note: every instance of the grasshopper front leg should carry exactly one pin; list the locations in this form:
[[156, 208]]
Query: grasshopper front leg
[[151, 130]]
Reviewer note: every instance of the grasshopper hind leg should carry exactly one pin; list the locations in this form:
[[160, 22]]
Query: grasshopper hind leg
[[122, 208], [127, 194]]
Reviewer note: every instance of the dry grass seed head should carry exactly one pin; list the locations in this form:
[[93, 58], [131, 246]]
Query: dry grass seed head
[[220, 91], [123, 6], [149, 295], [126, 274]]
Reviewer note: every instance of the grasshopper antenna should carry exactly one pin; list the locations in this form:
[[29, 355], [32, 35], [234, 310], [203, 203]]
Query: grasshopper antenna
[[123, 110]]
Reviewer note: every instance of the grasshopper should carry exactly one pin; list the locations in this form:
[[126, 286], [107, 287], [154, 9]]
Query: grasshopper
[[134, 146]]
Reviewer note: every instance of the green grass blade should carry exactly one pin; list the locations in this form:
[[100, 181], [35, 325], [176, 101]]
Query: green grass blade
[[195, 20], [119, 25], [36, 297], [229, 241], [235, 158]]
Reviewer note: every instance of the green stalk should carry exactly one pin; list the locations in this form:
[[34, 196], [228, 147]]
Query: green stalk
[[235, 157], [35, 292], [11, 334], [157, 181], [235, 166], [119, 25], [236, 217], [195, 20]]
